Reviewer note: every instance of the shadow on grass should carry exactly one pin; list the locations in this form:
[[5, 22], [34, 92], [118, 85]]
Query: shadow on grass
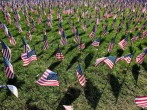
[[53, 53], [92, 94], [38, 42], [130, 49], [119, 52], [88, 60], [69, 36], [39, 54], [74, 60], [87, 44], [70, 96], [135, 72], [140, 46], [15, 61], [16, 82], [70, 49], [115, 86], [81, 33], [29, 106], [144, 65], [54, 65]]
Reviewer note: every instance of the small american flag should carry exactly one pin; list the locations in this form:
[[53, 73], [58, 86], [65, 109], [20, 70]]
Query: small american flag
[[144, 34], [29, 35], [96, 43], [108, 60], [80, 75], [8, 68], [84, 26], [25, 46], [127, 58], [135, 38], [68, 107], [73, 28], [5, 30], [111, 45], [11, 39], [105, 31], [92, 34], [123, 43], [59, 54], [6, 52], [45, 42], [28, 57], [77, 38], [49, 78], [140, 57], [63, 40], [141, 101], [81, 45]]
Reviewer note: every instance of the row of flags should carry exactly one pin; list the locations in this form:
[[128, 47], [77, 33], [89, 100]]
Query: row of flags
[[50, 78]]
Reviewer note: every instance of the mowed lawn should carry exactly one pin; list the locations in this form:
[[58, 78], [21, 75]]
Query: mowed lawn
[[102, 92]]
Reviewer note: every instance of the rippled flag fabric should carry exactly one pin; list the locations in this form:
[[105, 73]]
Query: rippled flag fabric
[[6, 51], [111, 45], [8, 68], [26, 47], [49, 78], [141, 101], [140, 57], [80, 75], [127, 58], [45, 43], [123, 43], [96, 43], [28, 57]]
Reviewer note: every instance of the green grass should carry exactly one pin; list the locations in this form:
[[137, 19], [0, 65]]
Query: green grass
[[117, 93]]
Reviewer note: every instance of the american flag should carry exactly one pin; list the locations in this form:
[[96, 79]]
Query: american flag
[[29, 35], [28, 57], [108, 60], [60, 28], [141, 101], [123, 43], [68, 107], [77, 38], [140, 57], [11, 39], [127, 58], [49, 78], [81, 45], [6, 52], [26, 47], [144, 34], [63, 40], [84, 26], [73, 28], [135, 38], [111, 45], [59, 54], [8, 68], [45, 42], [92, 34], [80, 75], [5, 30], [96, 43], [105, 31]]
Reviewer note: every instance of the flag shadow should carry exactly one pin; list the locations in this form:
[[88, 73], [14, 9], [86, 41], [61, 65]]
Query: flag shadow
[[87, 44], [15, 82], [29, 106], [70, 96], [115, 86], [54, 65], [92, 94], [88, 60], [135, 72], [15, 61], [119, 52], [74, 60], [70, 49]]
